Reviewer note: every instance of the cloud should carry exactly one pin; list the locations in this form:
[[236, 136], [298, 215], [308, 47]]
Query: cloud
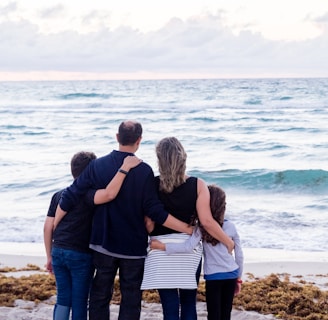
[[200, 45], [8, 8], [56, 11], [322, 19]]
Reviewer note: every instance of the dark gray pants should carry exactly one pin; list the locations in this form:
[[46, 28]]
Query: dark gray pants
[[130, 277]]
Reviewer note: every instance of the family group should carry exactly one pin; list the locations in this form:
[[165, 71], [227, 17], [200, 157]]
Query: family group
[[117, 220]]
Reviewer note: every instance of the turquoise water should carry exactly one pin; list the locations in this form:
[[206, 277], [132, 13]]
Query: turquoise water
[[263, 140]]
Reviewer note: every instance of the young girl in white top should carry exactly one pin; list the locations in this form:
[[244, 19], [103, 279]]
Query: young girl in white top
[[222, 270]]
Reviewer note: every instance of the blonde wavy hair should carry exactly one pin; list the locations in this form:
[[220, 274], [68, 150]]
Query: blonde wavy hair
[[171, 158]]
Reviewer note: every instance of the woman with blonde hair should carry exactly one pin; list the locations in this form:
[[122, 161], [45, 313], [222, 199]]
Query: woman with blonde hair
[[176, 276], [222, 270]]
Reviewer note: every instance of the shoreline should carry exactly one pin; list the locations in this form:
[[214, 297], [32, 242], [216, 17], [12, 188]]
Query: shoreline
[[258, 262], [308, 266], [36, 251]]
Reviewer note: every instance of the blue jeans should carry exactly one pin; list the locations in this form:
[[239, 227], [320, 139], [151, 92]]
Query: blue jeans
[[173, 299], [130, 276], [73, 272]]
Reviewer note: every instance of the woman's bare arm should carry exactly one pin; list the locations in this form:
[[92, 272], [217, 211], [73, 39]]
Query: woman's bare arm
[[206, 218]]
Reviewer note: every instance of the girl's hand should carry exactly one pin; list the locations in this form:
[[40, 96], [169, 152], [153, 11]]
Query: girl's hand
[[238, 286]]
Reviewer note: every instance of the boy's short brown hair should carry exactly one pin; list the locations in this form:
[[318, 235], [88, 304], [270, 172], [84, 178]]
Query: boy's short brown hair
[[80, 161]]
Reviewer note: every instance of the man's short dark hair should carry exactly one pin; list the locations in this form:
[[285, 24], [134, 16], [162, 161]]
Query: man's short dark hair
[[80, 161], [129, 132]]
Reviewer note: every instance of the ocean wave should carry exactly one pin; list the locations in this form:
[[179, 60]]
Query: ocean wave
[[253, 102], [283, 98], [80, 95], [308, 181]]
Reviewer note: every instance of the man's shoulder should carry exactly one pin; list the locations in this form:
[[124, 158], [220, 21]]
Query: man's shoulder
[[105, 160], [106, 156], [145, 165], [143, 170]]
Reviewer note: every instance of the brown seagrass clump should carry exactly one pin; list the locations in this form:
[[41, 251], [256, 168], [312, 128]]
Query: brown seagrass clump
[[274, 294]]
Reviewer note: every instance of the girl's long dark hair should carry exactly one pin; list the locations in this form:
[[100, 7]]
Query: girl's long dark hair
[[218, 206]]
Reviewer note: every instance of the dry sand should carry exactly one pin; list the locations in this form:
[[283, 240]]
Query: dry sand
[[258, 262]]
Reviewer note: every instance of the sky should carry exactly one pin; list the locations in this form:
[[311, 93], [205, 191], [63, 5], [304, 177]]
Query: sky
[[147, 39]]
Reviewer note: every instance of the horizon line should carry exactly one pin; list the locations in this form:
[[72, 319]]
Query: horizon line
[[38, 76]]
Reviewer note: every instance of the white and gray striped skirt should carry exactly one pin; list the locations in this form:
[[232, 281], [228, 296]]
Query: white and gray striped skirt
[[168, 271]]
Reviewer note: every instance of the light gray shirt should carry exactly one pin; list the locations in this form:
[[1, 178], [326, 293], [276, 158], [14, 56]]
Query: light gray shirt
[[216, 258]]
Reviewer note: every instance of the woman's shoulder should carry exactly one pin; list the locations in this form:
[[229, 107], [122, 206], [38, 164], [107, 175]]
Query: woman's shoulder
[[191, 179]]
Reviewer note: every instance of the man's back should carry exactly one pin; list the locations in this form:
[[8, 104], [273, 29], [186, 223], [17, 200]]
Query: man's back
[[118, 226]]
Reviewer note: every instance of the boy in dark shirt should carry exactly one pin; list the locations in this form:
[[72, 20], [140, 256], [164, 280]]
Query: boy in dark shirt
[[67, 247]]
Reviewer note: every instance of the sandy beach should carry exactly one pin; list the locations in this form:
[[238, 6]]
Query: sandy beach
[[310, 266]]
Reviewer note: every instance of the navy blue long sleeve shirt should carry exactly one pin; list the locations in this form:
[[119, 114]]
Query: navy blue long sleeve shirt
[[118, 226]]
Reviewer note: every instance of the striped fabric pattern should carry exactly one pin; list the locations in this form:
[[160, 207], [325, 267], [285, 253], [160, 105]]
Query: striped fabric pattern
[[164, 271]]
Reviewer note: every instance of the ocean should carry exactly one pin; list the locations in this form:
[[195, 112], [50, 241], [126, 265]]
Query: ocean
[[263, 140]]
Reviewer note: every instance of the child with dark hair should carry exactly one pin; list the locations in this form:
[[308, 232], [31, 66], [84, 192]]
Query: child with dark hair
[[67, 247], [222, 271]]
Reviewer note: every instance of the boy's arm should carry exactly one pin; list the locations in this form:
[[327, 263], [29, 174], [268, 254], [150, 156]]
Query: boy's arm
[[112, 189], [47, 238], [114, 186]]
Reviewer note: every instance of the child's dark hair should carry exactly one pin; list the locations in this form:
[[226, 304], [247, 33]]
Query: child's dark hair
[[80, 161], [218, 206]]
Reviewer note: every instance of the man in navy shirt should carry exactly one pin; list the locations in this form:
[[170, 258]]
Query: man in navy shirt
[[119, 237]]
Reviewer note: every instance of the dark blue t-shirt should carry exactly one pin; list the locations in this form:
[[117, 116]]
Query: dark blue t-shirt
[[74, 230]]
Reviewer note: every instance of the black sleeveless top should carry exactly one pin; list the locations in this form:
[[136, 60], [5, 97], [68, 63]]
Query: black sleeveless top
[[180, 203]]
